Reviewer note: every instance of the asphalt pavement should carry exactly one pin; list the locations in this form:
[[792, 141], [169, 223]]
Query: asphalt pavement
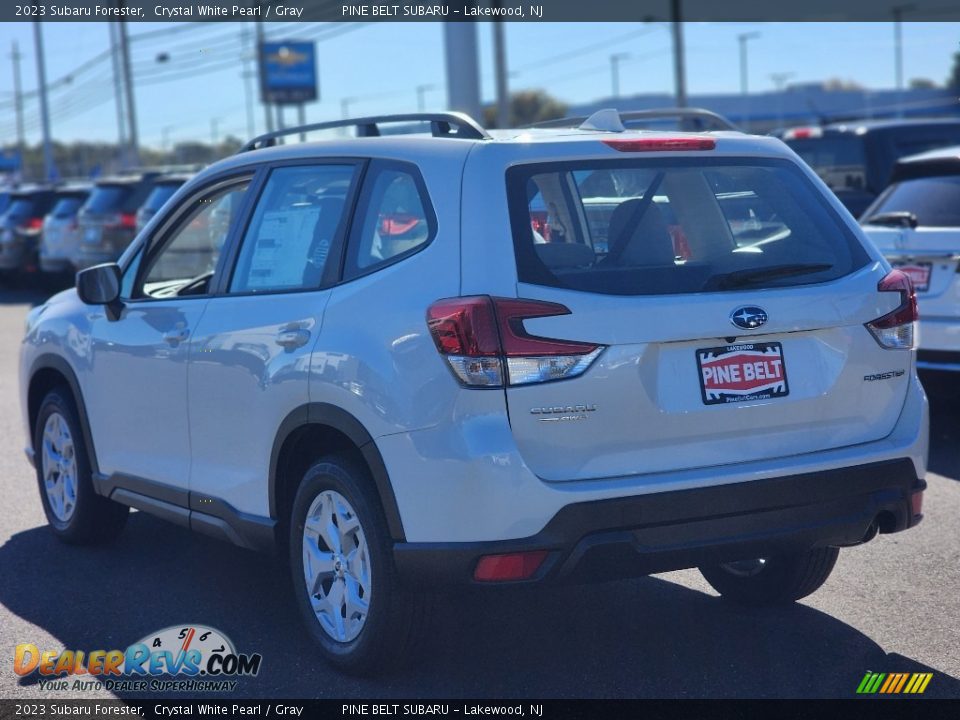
[[890, 606]]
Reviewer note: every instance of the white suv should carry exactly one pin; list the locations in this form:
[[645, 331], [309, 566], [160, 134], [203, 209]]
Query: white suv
[[915, 222], [550, 355]]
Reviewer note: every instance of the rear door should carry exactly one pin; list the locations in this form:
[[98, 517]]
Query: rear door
[[731, 301]]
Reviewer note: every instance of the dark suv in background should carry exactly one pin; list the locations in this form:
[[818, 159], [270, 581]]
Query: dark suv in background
[[164, 186], [855, 158], [20, 228], [108, 220]]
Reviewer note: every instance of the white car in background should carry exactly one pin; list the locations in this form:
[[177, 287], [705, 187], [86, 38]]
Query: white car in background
[[916, 224]]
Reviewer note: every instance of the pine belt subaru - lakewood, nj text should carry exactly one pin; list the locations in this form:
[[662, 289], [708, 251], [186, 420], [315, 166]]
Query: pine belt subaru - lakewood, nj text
[[532, 356]]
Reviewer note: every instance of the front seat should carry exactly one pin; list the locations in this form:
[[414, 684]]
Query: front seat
[[650, 242]]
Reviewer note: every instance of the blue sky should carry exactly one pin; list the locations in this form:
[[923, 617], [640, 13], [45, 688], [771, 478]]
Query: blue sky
[[379, 66]]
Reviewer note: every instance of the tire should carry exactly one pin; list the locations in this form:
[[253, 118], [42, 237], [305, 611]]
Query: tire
[[75, 513], [772, 581], [381, 624]]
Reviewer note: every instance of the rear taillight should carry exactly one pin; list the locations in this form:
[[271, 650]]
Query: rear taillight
[[661, 144], [896, 330], [128, 221], [486, 344], [33, 224]]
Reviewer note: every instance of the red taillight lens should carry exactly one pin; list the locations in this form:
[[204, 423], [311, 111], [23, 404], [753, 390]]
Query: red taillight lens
[[32, 224], [511, 566], [464, 326], [128, 221], [480, 336], [661, 144], [895, 330], [517, 342]]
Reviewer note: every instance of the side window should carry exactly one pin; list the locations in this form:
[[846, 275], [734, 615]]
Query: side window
[[394, 219], [297, 220], [186, 262]]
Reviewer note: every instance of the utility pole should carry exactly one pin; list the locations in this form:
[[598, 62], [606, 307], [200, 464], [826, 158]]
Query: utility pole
[[744, 76], [615, 60], [118, 93], [48, 169], [500, 71], [128, 89], [266, 105], [247, 74], [898, 11], [18, 100], [214, 135], [679, 72], [463, 67]]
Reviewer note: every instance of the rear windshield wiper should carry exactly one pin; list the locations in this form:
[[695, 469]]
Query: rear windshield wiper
[[750, 276], [901, 218]]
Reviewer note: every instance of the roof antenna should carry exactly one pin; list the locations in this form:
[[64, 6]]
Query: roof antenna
[[607, 120]]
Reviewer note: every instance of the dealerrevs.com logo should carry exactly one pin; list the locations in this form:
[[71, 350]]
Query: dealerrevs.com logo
[[197, 657]]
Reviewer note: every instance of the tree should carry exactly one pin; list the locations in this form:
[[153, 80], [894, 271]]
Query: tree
[[922, 84], [527, 107], [954, 80]]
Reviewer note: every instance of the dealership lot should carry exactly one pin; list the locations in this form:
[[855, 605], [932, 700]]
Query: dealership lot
[[890, 606]]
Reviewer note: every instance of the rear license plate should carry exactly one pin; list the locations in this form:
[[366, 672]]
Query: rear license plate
[[740, 373], [918, 272]]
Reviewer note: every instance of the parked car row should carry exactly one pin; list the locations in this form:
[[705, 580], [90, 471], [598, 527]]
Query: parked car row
[[58, 229]]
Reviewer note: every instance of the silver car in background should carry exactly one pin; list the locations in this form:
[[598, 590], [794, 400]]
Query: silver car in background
[[61, 230]]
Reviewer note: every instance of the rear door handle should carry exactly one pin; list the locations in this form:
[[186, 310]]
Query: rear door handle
[[177, 335]]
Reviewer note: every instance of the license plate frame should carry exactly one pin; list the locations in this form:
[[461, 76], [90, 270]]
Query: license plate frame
[[733, 373]]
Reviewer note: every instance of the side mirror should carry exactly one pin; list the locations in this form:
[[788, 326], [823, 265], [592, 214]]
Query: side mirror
[[100, 284]]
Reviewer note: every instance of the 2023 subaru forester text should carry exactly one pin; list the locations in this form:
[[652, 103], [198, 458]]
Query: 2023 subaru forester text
[[550, 355]]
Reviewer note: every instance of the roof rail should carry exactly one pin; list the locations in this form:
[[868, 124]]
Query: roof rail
[[443, 124], [692, 118]]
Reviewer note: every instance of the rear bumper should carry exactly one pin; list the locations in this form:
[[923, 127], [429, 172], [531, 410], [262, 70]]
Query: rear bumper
[[658, 532]]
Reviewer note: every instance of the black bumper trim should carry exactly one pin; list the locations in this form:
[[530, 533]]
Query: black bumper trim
[[659, 532]]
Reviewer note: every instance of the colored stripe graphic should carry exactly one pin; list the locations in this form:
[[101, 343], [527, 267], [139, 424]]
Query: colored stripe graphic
[[894, 683]]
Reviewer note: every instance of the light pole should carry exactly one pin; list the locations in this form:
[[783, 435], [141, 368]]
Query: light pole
[[615, 60], [44, 108], [422, 91], [780, 80], [898, 11], [743, 38], [500, 72], [675, 28]]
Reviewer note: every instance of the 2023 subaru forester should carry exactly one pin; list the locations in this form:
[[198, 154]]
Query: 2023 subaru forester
[[550, 355]]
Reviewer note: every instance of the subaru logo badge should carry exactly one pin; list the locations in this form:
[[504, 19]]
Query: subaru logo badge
[[748, 317]]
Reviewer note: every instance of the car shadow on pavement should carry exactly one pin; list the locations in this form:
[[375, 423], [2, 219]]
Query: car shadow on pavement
[[641, 638], [943, 391]]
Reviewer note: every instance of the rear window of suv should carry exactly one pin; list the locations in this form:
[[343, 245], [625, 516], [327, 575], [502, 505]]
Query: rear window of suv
[[675, 226], [160, 194], [934, 201], [119, 198]]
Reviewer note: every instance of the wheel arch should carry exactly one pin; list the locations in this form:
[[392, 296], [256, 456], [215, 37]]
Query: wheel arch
[[50, 371], [329, 429]]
